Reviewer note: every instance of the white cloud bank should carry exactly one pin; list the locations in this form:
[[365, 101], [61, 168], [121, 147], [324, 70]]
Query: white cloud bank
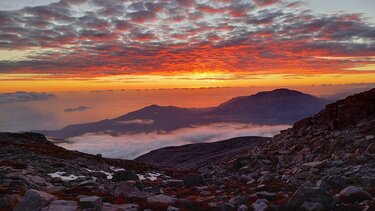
[[24, 96], [132, 146]]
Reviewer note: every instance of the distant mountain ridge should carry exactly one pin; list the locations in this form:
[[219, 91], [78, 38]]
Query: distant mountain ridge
[[280, 106]]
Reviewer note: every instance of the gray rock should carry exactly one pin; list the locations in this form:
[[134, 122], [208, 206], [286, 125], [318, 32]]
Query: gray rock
[[260, 205], [266, 177], [370, 149], [225, 207], [370, 137], [163, 199], [266, 195], [191, 180], [242, 207], [173, 183], [119, 207], [171, 208], [238, 200], [92, 202], [124, 188], [315, 164], [315, 194], [9, 201], [312, 206], [34, 200], [98, 174], [124, 175], [353, 194], [61, 205]]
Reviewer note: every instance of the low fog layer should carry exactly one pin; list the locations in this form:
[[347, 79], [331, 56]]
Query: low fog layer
[[132, 146], [24, 96]]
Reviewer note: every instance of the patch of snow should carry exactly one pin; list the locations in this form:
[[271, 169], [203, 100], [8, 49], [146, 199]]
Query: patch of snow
[[60, 174], [116, 169], [109, 175], [141, 177], [149, 176]]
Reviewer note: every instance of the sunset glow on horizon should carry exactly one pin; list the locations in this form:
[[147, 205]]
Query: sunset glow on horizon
[[72, 45]]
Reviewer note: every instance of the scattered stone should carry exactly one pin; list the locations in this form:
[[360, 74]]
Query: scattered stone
[[225, 207], [98, 174], [125, 188], [61, 205], [304, 194], [260, 205], [371, 149], [315, 164], [173, 183], [312, 206], [92, 202], [238, 200], [171, 208], [124, 175], [242, 207], [354, 194], [266, 177], [267, 195], [163, 199], [191, 180], [370, 137], [119, 207], [34, 200], [9, 201]]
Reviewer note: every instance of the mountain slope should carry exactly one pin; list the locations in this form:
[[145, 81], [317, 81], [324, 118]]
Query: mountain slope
[[150, 118], [201, 155], [281, 106]]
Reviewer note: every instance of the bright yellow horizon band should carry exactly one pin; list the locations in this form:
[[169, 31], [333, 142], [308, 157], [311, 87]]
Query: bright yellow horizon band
[[37, 82]]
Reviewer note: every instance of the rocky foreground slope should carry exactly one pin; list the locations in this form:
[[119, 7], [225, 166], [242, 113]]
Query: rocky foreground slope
[[326, 162]]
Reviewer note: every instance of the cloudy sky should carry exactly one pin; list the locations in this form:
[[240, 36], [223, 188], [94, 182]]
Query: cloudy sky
[[50, 45]]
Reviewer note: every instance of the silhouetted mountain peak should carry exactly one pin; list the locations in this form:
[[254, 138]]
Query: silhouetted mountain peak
[[280, 92]]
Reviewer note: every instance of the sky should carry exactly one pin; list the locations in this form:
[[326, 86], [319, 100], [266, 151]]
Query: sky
[[76, 45]]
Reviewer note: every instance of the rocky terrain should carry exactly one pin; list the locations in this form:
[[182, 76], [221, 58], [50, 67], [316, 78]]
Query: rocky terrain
[[325, 162]]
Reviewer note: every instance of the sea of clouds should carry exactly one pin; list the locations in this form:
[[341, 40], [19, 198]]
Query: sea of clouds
[[130, 146]]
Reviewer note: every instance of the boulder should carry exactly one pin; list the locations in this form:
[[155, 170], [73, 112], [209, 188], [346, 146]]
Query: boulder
[[61, 205], [191, 180], [34, 200], [353, 194], [98, 174], [91, 202], [315, 194], [124, 175], [125, 188], [9, 201]]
